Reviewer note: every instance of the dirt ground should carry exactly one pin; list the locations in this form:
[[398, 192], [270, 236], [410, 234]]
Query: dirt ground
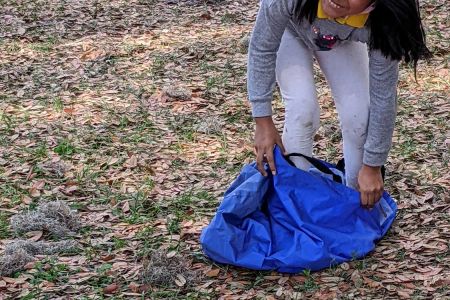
[[135, 114]]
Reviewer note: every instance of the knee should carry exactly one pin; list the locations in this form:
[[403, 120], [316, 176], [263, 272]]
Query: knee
[[355, 129], [303, 116], [354, 118]]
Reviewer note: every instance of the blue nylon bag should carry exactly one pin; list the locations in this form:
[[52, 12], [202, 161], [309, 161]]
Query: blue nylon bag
[[293, 221]]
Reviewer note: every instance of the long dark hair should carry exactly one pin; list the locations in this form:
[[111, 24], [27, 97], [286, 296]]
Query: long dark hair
[[395, 28]]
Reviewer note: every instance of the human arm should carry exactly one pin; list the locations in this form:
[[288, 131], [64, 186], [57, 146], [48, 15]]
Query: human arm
[[383, 79], [270, 24]]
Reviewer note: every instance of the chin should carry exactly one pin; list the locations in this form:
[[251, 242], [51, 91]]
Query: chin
[[332, 14], [329, 11]]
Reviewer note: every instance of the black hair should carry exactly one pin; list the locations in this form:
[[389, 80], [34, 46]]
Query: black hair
[[395, 28]]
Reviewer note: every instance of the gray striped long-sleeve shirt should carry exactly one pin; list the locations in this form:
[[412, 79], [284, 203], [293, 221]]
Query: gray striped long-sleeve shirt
[[273, 18]]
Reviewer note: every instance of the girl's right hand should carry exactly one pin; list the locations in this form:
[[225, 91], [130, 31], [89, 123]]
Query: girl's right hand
[[266, 137]]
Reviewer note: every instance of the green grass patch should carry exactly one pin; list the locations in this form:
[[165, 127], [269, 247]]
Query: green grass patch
[[4, 226], [408, 148], [309, 285], [58, 104], [103, 278], [184, 126], [119, 243], [12, 47], [39, 152], [9, 121], [50, 270], [229, 18], [159, 63], [65, 148], [11, 192], [44, 47], [148, 241], [133, 48]]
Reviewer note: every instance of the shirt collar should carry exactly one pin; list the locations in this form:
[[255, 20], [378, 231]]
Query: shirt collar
[[357, 21]]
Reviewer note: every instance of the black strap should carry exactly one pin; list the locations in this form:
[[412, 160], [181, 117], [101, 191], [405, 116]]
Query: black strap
[[341, 167], [316, 163]]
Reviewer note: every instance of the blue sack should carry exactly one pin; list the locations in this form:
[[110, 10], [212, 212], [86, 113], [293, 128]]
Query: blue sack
[[293, 221]]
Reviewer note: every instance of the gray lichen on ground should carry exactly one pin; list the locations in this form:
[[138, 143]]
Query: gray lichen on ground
[[14, 262], [55, 218], [52, 168], [161, 270], [177, 92], [244, 42], [41, 247], [210, 125]]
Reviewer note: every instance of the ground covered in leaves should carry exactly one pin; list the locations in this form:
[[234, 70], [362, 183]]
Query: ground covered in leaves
[[134, 113]]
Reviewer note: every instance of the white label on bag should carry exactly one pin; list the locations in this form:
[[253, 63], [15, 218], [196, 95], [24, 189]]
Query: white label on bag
[[385, 210]]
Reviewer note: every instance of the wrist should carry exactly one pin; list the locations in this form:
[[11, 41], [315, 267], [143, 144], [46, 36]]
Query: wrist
[[371, 168], [264, 120]]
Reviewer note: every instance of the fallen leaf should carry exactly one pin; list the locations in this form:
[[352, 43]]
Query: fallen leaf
[[171, 254], [131, 162], [134, 287], [26, 200], [108, 257], [34, 235], [126, 207], [21, 31], [110, 289], [30, 265], [180, 280], [69, 111], [34, 192], [213, 273], [112, 161], [92, 54], [404, 294], [10, 280]]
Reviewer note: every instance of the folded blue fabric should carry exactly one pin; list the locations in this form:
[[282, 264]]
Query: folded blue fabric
[[293, 221]]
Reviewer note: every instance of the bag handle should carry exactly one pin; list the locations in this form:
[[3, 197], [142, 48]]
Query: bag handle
[[316, 163]]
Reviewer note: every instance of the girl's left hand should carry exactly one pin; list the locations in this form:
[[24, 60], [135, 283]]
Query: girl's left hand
[[370, 185]]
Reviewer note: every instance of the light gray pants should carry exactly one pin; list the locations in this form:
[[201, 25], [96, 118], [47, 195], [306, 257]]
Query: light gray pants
[[346, 69]]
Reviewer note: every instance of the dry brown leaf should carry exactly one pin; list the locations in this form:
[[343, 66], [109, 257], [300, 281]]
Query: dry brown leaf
[[26, 200], [171, 254], [213, 273], [180, 280], [34, 235], [372, 283], [131, 162], [110, 289], [92, 54], [126, 207], [18, 280], [134, 287], [34, 192], [112, 161], [404, 294], [108, 257]]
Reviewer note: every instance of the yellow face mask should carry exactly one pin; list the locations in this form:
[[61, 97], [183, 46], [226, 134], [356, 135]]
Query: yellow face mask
[[357, 21]]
